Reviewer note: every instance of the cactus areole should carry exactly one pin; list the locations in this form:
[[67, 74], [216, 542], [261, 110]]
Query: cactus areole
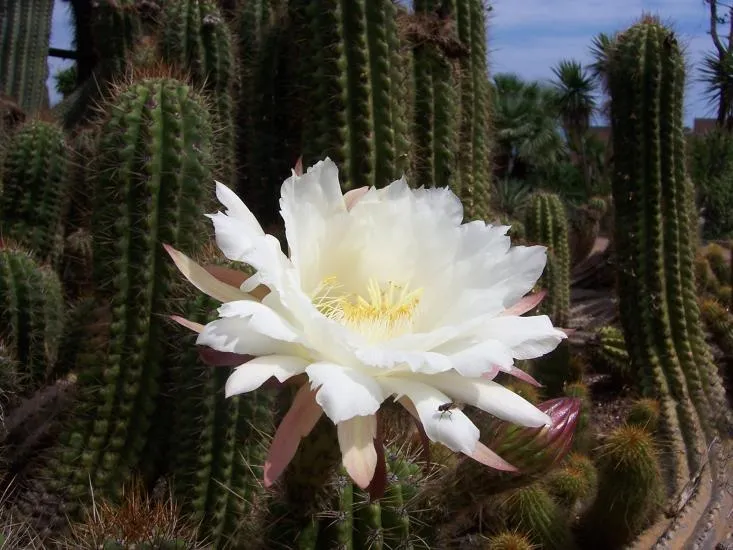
[[385, 293]]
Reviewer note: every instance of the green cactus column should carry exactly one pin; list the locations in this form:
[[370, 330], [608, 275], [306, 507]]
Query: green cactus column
[[195, 37], [153, 185], [658, 305], [35, 174], [25, 32], [355, 107], [474, 149], [547, 224]]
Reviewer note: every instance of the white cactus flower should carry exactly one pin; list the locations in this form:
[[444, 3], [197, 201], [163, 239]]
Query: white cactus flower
[[385, 294]]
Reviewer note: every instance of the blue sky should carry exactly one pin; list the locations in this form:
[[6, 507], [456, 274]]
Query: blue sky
[[528, 37]]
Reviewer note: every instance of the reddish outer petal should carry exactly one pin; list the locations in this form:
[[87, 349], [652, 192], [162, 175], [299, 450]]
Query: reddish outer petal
[[216, 358], [298, 169], [235, 278], [489, 458], [353, 196], [196, 327], [525, 304], [567, 331], [302, 417], [524, 377], [379, 482]]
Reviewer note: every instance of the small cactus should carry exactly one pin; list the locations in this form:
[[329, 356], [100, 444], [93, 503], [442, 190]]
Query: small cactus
[[31, 313], [630, 490], [610, 355], [509, 540], [644, 413], [574, 482]]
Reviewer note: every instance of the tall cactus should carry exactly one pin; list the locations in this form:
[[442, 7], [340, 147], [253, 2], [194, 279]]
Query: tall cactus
[[659, 310], [25, 32], [152, 175], [355, 104], [35, 173], [547, 224]]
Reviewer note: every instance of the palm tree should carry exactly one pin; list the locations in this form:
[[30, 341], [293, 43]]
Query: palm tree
[[717, 75], [526, 125], [576, 104]]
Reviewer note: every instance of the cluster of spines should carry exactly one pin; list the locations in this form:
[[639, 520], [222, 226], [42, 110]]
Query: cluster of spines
[[655, 254], [25, 33], [630, 488], [35, 177], [610, 354]]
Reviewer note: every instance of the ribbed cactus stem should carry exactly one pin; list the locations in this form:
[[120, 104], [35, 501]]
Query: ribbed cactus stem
[[25, 33], [35, 173], [658, 304], [547, 225], [31, 315], [196, 38]]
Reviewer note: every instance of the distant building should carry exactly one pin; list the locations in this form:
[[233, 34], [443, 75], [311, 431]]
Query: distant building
[[703, 125]]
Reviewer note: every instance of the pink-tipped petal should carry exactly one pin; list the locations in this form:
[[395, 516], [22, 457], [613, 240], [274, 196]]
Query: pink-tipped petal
[[378, 485], [525, 304], [353, 196], [298, 169], [300, 419], [216, 358], [203, 280], [567, 331], [489, 458], [196, 327], [358, 455], [524, 377], [236, 278]]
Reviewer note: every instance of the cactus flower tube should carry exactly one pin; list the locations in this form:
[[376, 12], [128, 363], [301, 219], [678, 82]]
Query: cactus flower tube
[[385, 294]]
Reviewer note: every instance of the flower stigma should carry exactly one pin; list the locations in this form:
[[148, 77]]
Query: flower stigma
[[387, 311]]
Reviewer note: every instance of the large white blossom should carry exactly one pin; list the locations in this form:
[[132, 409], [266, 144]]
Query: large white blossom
[[384, 293]]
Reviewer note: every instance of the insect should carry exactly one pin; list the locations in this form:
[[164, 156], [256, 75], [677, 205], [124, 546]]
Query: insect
[[447, 408]]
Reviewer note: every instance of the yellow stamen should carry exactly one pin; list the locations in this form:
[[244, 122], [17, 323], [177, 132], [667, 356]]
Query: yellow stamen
[[385, 313]]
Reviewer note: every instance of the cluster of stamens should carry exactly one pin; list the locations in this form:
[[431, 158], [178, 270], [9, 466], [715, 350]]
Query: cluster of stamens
[[386, 312]]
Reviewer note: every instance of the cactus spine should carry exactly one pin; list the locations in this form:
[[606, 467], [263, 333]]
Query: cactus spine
[[25, 32], [31, 313], [658, 305], [35, 189]]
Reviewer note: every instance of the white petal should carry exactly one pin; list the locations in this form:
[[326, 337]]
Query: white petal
[[344, 392], [451, 428], [442, 201], [236, 335], [415, 361], [261, 319], [527, 337], [358, 454], [237, 209], [254, 373], [490, 397], [514, 274], [481, 358]]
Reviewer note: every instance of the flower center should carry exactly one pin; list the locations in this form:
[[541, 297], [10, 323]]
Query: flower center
[[386, 312]]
